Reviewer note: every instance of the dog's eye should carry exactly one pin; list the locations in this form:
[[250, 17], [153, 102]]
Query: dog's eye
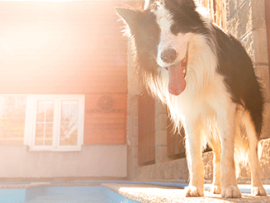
[[175, 29], [194, 28]]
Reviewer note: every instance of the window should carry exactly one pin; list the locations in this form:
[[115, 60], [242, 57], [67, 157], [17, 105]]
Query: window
[[54, 122]]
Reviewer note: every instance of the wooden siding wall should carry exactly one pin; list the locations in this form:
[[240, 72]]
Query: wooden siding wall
[[105, 126], [61, 48], [68, 48]]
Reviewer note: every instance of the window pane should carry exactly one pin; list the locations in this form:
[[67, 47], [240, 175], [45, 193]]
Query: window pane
[[41, 105], [44, 122], [12, 119], [49, 112], [69, 122], [45, 111], [39, 134], [48, 133]]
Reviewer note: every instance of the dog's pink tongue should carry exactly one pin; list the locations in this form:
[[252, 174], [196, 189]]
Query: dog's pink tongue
[[177, 83]]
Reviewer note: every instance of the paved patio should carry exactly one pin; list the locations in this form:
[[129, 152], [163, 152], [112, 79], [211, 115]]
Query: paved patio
[[150, 193]]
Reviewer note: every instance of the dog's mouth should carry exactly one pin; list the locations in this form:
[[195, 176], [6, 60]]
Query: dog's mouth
[[177, 74]]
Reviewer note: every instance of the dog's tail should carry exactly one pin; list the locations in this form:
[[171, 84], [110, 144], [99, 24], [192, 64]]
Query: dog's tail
[[242, 160], [241, 152], [244, 137]]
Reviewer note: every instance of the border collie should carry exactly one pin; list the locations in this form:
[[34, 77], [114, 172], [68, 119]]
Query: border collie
[[207, 80]]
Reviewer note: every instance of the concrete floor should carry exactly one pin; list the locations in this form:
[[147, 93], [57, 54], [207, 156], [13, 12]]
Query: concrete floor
[[156, 194]]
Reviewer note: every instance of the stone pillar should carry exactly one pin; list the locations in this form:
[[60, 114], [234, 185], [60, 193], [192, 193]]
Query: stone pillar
[[160, 132], [134, 90]]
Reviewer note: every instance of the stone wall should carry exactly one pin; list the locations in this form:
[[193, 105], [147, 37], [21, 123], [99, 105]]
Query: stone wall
[[246, 21]]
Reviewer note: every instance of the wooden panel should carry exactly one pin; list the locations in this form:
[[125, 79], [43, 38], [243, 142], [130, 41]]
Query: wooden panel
[[146, 133], [64, 47], [175, 141], [68, 48], [105, 119], [267, 14]]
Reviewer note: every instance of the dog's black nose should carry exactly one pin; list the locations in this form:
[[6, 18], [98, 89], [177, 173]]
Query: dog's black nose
[[168, 56]]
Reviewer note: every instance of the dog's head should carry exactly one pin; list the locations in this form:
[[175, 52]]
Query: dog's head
[[161, 34]]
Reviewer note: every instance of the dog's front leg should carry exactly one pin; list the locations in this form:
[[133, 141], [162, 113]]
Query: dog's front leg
[[195, 164], [226, 123]]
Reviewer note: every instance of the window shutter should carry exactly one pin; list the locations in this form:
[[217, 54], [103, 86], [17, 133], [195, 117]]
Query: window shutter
[[267, 16], [175, 141], [146, 127]]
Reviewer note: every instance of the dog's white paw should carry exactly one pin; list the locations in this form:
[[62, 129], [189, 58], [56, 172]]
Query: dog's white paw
[[192, 191], [215, 189], [231, 191], [258, 191]]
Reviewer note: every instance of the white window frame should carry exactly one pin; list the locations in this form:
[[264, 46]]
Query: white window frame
[[29, 133]]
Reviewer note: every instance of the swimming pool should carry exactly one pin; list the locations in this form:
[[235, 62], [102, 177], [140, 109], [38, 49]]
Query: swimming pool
[[87, 191], [62, 194]]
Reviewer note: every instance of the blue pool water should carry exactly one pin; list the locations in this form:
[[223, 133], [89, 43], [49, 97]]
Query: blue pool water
[[62, 194], [81, 194]]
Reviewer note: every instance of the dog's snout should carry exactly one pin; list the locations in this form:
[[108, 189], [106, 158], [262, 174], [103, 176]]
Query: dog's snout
[[168, 56]]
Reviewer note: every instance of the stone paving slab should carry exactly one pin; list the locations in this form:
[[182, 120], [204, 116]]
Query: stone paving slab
[[155, 194]]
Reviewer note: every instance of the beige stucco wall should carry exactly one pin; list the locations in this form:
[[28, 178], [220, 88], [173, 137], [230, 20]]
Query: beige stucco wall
[[91, 161]]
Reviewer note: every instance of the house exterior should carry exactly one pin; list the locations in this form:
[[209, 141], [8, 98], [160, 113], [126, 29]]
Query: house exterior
[[72, 105], [63, 90], [164, 157]]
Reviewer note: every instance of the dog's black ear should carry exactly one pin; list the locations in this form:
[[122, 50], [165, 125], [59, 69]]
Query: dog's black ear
[[184, 4], [187, 3], [130, 16]]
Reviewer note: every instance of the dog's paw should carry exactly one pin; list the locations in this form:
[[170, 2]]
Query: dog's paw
[[215, 189], [258, 191], [192, 191], [231, 191]]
